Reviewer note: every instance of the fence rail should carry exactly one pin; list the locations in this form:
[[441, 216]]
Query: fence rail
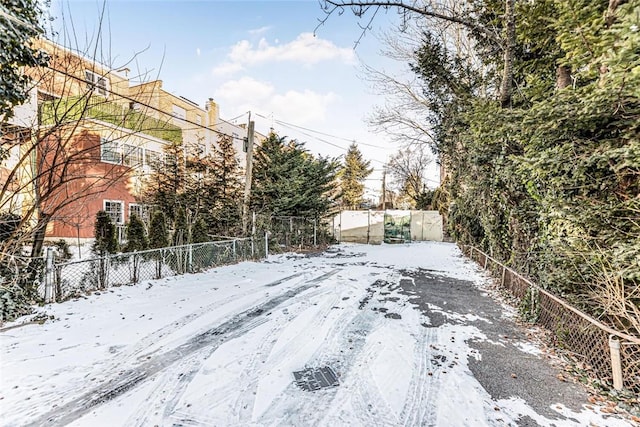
[[69, 279], [610, 356]]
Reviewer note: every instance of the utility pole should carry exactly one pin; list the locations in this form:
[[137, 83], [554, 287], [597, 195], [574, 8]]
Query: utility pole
[[384, 189], [248, 172]]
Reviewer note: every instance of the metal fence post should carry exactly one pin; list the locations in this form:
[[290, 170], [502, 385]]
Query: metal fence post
[[315, 229], [266, 244], [252, 247], [190, 259], [253, 223], [48, 277], [616, 366], [235, 255]]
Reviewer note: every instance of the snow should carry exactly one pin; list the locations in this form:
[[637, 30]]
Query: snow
[[219, 348]]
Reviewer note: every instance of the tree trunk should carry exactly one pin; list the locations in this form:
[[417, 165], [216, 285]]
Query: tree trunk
[[563, 77], [39, 235], [506, 85]]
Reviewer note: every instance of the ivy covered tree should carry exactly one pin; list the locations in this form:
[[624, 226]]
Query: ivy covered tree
[[19, 26], [288, 180], [352, 177], [549, 185]]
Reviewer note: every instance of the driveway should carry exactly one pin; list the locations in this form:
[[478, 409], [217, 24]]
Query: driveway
[[358, 335]]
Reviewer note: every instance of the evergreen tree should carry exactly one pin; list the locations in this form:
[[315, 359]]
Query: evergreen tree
[[352, 176], [181, 228], [136, 235], [199, 231], [287, 180], [105, 234], [225, 189], [166, 186], [16, 36], [158, 235]]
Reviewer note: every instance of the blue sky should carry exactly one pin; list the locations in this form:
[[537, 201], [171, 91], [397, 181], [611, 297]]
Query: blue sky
[[258, 56]]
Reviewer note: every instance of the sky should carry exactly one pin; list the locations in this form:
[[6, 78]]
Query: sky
[[251, 56]]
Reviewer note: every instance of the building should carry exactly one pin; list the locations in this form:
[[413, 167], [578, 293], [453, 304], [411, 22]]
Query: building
[[94, 139]]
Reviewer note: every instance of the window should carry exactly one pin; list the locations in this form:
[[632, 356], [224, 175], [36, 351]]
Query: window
[[96, 82], [132, 156], [115, 210], [109, 151], [199, 120], [152, 159], [179, 112], [142, 211], [170, 160]]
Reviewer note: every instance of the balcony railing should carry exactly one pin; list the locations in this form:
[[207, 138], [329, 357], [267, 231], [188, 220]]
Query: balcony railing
[[74, 108]]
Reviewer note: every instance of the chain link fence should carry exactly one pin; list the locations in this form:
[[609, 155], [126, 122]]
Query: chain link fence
[[293, 232], [610, 356], [71, 279]]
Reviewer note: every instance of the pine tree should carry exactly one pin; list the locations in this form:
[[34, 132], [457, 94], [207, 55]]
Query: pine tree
[[287, 180], [166, 186], [225, 189], [158, 238], [105, 234], [352, 176], [181, 228], [136, 235], [199, 231], [158, 235]]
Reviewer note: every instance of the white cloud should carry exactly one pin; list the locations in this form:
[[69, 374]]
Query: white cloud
[[258, 31], [300, 107], [306, 49], [246, 89], [197, 51], [227, 69]]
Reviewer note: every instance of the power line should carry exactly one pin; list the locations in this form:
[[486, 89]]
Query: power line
[[298, 127], [332, 136]]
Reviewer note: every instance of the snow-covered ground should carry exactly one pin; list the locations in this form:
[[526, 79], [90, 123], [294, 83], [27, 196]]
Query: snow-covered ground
[[220, 348]]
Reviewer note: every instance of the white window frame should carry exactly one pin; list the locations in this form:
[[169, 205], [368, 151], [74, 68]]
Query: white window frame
[[110, 152], [143, 211], [120, 212], [149, 160], [132, 156], [97, 83]]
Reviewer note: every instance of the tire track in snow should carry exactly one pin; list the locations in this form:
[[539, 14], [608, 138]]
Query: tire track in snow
[[129, 357], [233, 327], [343, 349], [419, 409], [152, 338]]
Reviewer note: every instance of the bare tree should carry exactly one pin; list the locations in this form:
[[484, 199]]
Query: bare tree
[[56, 165], [408, 169], [441, 11]]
